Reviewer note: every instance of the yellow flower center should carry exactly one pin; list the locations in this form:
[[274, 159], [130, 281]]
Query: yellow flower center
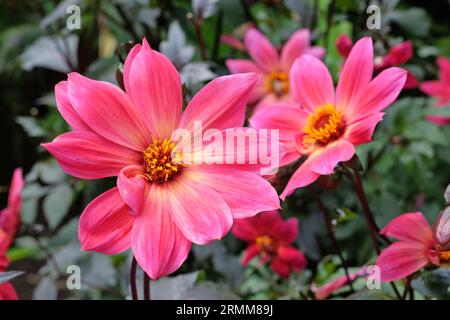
[[277, 83], [323, 126], [444, 256], [158, 162]]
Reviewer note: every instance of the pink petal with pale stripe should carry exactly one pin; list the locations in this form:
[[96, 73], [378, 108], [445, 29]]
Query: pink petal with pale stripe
[[261, 50], [311, 83], [105, 224], [158, 245], [93, 157]]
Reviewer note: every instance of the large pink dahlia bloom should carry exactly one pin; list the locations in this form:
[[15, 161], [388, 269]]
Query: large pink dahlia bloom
[[274, 67], [160, 204], [328, 126]]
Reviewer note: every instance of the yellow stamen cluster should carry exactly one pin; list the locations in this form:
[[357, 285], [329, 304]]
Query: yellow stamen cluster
[[277, 83], [444, 256], [158, 163], [263, 242], [323, 126]]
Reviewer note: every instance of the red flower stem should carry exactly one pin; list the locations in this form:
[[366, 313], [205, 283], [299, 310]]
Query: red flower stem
[[147, 294], [373, 228], [134, 294], [197, 22], [332, 236]]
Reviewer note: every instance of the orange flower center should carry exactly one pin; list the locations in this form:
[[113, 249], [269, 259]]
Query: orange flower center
[[277, 83], [266, 244], [323, 126], [444, 256], [158, 162]]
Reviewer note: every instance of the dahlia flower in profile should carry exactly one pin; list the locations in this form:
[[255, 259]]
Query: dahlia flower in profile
[[160, 204], [439, 89], [9, 223], [419, 245], [270, 238], [328, 126], [397, 56], [274, 67]]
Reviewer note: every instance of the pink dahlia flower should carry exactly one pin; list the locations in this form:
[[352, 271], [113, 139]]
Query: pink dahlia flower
[[9, 223], [160, 204], [440, 89], [397, 56], [419, 245], [329, 126], [274, 85], [270, 237]]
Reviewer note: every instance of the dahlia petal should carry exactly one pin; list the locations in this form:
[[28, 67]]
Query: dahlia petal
[[380, 93], [439, 120], [441, 230], [261, 50], [437, 89], [199, 212], [280, 267], [356, 74], [311, 82], [154, 86], [293, 257], [411, 226], [325, 160], [245, 229], [288, 230], [297, 45], [400, 53], [158, 245], [401, 259], [86, 155], [7, 292], [132, 186], [316, 51], [411, 81], [302, 177], [127, 65], [107, 110], [242, 66], [105, 224], [232, 185], [444, 69], [288, 120], [223, 113], [361, 131], [251, 252], [66, 109], [15, 190]]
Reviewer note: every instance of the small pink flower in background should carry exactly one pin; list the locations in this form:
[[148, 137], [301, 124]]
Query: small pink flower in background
[[439, 89], [160, 205], [270, 238], [419, 245], [274, 85], [9, 224], [334, 285], [396, 57], [329, 126]]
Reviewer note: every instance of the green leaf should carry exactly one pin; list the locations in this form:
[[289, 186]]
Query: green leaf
[[57, 203], [433, 284]]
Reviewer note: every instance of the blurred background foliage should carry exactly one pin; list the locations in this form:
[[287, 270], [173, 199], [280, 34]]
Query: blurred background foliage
[[406, 168]]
